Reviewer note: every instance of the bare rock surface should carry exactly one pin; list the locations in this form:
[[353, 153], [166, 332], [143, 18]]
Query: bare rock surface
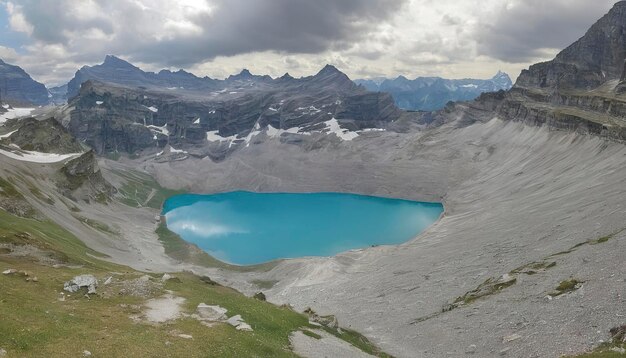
[[163, 309]]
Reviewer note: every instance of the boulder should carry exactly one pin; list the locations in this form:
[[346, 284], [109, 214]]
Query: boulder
[[88, 281], [211, 313]]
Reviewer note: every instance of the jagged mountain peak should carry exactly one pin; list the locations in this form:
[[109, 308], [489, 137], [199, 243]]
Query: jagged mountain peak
[[114, 61], [329, 70]]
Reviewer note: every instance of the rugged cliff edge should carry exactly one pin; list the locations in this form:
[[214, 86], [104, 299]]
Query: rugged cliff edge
[[580, 90]]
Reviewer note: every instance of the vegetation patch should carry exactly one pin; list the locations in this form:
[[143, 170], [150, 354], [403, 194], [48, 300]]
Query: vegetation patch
[[264, 284], [487, 288], [614, 348], [8, 190], [534, 267], [141, 190], [567, 286], [94, 224], [39, 195]]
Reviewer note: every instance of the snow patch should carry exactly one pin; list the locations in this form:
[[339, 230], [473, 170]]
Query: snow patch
[[152, 109], [332, 126], [99, 102], [213, 136], [177, 151], [274, 133], [15, 113], [38, 157], [197, 121], [7, 135], [371, 130], [163, 130]]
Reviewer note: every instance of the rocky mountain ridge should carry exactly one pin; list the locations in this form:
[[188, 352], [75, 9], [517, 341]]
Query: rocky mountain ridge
[[111, 118]]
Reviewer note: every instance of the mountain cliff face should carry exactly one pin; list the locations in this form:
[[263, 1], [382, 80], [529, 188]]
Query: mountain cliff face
[[433, 93], [595, 58], [110, 117], [580, 90], [18, 87]]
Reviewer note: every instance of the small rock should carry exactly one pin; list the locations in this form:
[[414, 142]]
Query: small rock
[[35, 279], [166, 277], [505, 351], [511, 338], [211, 313], [78, 282], [260, 296], [3, 352], [108, 280], [168, 343], [185, 336], [9, 272], [619, 350], [144, 278], [244, 327], [86, 354], [471, 349]]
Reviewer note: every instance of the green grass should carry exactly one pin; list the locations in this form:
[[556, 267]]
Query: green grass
[[8, 190], [140, 189], [311, 334], [35, 324], [95, 224], [48, 236]]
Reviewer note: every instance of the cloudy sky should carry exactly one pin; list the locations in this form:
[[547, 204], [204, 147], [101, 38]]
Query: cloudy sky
[[364, 38]]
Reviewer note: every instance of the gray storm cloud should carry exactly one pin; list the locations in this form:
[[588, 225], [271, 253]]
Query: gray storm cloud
[[523, 30], [230, 27]]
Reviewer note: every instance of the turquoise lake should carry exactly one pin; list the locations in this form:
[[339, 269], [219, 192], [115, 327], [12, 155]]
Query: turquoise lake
[[245, 228]]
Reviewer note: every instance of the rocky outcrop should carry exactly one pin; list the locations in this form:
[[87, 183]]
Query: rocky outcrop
[[81, 178], [112, 120], [16, 86], [47, 136], [433, 93]]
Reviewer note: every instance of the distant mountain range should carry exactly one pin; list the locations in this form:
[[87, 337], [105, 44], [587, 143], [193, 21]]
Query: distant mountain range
[[422, 93], [432, 93]]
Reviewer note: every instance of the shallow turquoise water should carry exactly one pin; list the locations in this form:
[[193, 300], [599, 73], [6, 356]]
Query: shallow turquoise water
[[247, 228]]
